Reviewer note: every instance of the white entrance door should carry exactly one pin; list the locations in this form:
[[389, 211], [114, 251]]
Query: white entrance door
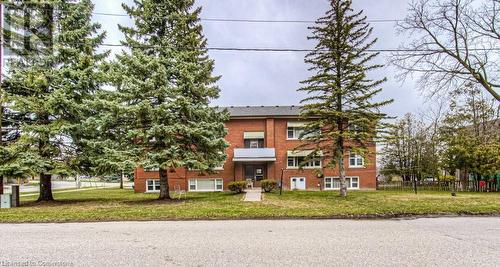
[[298, 183]]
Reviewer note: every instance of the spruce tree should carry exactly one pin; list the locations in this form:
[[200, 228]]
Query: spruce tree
[[11, 155], [340, 93], [165, 81], [52, 82], [9, 134]]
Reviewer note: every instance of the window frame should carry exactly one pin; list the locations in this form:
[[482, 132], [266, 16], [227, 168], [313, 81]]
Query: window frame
[[296, 132], [357, 159], [156, 185], [260, 142], [349, 182], [312, 162], [254, 143], [218, 182]]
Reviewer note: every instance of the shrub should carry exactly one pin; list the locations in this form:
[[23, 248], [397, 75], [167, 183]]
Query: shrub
[[237, 187], [269, 185]]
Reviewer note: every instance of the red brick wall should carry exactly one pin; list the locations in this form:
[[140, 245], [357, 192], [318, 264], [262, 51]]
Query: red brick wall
[[276, 136]]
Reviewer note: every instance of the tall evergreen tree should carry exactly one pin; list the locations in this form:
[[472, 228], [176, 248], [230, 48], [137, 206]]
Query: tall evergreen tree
[[165, 83], [9, 134], [340, 93], [25, 33], [52, 85]]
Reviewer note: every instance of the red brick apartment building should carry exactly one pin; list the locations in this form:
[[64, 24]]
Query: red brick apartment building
[[262, 142]]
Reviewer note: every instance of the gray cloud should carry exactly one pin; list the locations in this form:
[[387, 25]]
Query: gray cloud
[[265, 78]]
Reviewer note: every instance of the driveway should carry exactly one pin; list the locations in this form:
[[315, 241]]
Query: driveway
[[421, 242]]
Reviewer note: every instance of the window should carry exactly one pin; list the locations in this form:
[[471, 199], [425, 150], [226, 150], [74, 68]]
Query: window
[[259, 174], [192, 185], [254, 143], [219, 185], [219, 168], [295, 162], [152, 169], [206, 185], [354, 182], [293, 133], [356, 160], [334, 183], [153, 186], [354, 128]]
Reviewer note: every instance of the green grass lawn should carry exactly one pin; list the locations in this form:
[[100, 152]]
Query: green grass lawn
[[116, 205]]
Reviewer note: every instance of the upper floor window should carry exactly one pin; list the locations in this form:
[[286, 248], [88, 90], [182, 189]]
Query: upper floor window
[[254, 143], [356, 160], [354, 128], [296, 130], [294, 133], [253, 139], [152, 169], [295, 162]]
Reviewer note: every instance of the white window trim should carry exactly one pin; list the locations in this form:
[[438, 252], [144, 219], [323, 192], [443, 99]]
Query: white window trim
[[305, 167], [356, 157], [295, 134], [154, 185], [337, 188], [196, 185]]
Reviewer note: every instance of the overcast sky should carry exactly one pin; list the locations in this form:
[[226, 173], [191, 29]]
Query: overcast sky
[[272, 78]]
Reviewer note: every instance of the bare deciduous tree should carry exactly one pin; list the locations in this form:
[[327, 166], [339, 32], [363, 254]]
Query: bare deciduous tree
[[451, 43]]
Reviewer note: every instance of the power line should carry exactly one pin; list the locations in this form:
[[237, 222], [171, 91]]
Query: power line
[[271, 49], [253, 49], [250, 20], [238, 20]]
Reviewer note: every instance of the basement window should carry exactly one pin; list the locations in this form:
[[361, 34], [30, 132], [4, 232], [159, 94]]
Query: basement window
[[206, 185], [334, 183], [152, 186]]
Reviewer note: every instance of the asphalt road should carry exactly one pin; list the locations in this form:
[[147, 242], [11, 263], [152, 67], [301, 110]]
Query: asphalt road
[[421, 242]]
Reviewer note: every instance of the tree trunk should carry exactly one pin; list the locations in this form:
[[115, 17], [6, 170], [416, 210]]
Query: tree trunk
[[45, 188], [1, 184], [343, 184], [121, 180], [164, 190]]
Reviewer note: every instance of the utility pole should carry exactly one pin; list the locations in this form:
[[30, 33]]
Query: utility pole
[[415, 183], [281, 180]]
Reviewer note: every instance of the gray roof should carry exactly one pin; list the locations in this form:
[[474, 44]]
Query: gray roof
[[264, 111]]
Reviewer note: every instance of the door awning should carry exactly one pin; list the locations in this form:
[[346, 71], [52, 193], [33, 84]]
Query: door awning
[[301, 153], [254, 154], [253, 135]]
